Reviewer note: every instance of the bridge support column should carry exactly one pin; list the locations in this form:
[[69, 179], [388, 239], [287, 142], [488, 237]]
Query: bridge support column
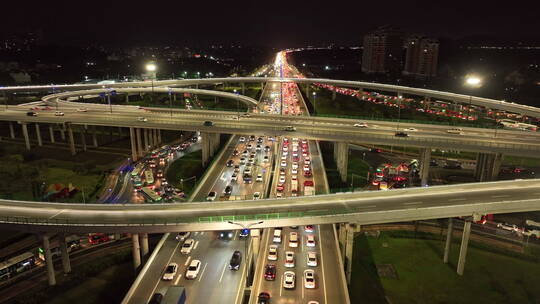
[[94, 137], [25, 134], [66, 264], [63, 132], [11, 130], [156, 141], [342, 239], [48, 260], [151, 141], [487, 166], [139, 142], [127, 97], [307, 90], [145, 140], [136, 251], [51, 133], [83, 138], [159, 136], [71, 140], [349, 252], [143, 239], [448, 240], [205, 148], [464, 246], [243, 84], [341, 154], [38, 134], [425, 158], [334, 95], [134, 155]]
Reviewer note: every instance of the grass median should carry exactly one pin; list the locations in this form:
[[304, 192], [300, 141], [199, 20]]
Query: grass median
[[188, 167]]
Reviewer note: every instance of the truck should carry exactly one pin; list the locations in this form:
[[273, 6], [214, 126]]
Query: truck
[[309, 188], [175, 295]]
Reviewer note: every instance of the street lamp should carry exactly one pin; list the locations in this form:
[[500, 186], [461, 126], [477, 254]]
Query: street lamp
[[170, 100], [314, 100], [245, 241], [151, 68], [472, 81], [237, 104]]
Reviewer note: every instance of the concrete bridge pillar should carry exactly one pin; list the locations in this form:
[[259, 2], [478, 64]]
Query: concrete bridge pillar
[[448, 240], [71, 140], [341, 154], [487, 166], [63, 132], [127, 97], [143, 239], [425, 158], [11, 130], [136, 251], [307, 90], [51, 133], [349, 252], [25, 134], [38, 134], [134, 154], [94, 137], [48, 260], [83, 138], [159, 136], [156, 141], [342, 239], [334, 94], [205, 148], [151, 142], [464, 246], [243, 88], [146, 140], [66, 264], [140, 151]]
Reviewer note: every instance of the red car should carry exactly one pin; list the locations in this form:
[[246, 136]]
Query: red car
[[270, 272], [307, 173]]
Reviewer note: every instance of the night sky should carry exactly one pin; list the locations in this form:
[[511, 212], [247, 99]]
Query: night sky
[[268, 23]]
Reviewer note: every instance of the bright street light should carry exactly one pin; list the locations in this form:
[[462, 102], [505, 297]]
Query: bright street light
[[473, 81], [151, 67]]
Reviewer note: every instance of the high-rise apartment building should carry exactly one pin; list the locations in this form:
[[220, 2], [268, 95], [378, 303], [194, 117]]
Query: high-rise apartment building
[[421, 57], [382, 51]]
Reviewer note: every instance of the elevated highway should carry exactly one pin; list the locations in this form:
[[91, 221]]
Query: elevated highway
[[359, 207]]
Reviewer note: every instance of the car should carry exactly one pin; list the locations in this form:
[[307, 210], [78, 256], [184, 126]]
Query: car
[[242, 161], [208, 123], [307, 168], [506, 226], [293, 239], [263, 298], [247, 170], [159, 173], [309, 278], [289, 259], [283, 163], [270, 272], [156, 298], [280, 187], [361, 125], [308, 228], [234, 177], [288, 280], [410, 129], [187, 246], [230, 163], [228, 190], [181, 236], [225, 235], [310, 240], [82, 110], [251, 137], [279, 195], [266, 148], [236, 260], [457, 131], [273, 253], [307, 173], [211, 196], [401, 134], [258, 148], [266, 159], [294, 171], [289, 129], [282, 178], [58, 113], [307, 161], [249, 147], [256, 195], [247, 178], [236, 168], [142, 119], [30, 113], [170, 272], [242, 139], [193, 269], [311, 259], [295, 165]]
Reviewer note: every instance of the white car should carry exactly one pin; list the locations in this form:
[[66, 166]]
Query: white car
[[170, 271], [193, 269], [295, 165], [312, 259], [293, 239], [307, 161], [58, 113], [410, 129], [283, 163], [279, 195], [507, 226], [82, 110], [294, 171], [288, 280], [259, 177], [282, 178], [242, 139], [310, 240], [457, 131], [272, 253], [266, 159], [182, 236], [289, 259], [309, 278], [361, 125], [187, 246], [211, 196], [256, 195], [143, 119]]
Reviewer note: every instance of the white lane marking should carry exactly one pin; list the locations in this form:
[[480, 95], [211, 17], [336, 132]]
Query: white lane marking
[[187, 261], [196, 244], [280, 285], [457, 199], [202, 273], [499, 196], [178, 279], [303, 287], [322, 264], [58, 213], [302, 245], [159, 281], [235, 235], [222, 272], [412, 203]]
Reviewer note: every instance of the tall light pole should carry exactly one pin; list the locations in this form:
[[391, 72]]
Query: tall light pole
[[246, 240], [474, 82], [237, 104], [152, 68], [314, 101], [170, 100]]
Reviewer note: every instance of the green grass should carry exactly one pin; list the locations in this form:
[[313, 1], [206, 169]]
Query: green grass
[[185, 167], [357, 167], [423, 277]]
